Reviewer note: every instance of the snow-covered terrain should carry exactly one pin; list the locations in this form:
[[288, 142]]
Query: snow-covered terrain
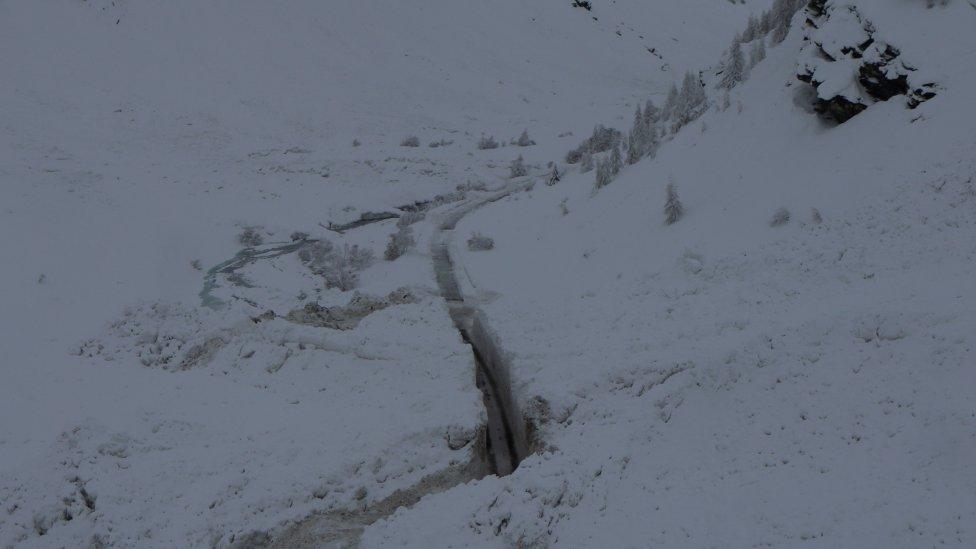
[[790, 363]]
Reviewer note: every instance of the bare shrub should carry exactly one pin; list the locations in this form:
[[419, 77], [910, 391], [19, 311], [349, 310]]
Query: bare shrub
[[815, 216], [356, 143], [524, 140], [479, 242], [400, 243], [315, 254], [472, 186], [250, 237], [410, 141], [343, 268], [781, 217], [517, 168], [409, 218], [487, 142], [441, 143]]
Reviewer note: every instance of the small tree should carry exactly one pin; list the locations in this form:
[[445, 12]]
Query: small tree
[[554, 176], [480, 243], [758, 52], [524, 140], [603, 175], [637, 145], [671, 103], [487, 142], [735, 67], [400, 242], [752, 29], [586, 163], [517, 168], [691, 102], [651, 113], [616, 162], [781, 217], [673, 208]]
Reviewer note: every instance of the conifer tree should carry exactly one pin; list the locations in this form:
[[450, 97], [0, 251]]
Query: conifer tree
[[735, 67], [671, 103], [517, 168], [691, 101], [603, 176], [616, 162], [673, 209], [758, 52], [586, 163]]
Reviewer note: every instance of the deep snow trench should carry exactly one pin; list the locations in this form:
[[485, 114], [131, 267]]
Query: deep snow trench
[[506, 440]]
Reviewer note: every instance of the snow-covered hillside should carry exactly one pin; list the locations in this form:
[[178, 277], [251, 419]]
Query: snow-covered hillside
[[731, 380], [194, 356]]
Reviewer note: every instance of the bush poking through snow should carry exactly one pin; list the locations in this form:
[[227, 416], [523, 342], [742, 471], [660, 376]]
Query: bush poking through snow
[[781, 217], [338, 267], [356, 143], [315, 253], [409, 218], [487, 142], [524, 140], [342, 271], [479, 243], [410, 141], [400, 243], [517, 168], [815, 216], [673, 208], [250, 237]]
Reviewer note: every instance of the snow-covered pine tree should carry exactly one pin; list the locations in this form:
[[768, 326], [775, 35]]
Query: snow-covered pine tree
[[603, 176], [673, 208], [671, 103], [651, 113], [586, 163], [616, 161], [758, 52], [637, 143], [735, 67], [752, 29], [691, 101], [780, 17]]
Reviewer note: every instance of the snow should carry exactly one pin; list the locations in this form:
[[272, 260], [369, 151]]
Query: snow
[[714, 382], [724, 382]]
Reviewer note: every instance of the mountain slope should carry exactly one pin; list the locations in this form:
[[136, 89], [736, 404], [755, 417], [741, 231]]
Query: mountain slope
[[725, 381]]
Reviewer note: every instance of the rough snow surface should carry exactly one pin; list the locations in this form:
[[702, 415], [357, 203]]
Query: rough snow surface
[[717, 382]]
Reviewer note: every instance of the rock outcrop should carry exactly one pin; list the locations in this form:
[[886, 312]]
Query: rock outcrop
[[850, 64]]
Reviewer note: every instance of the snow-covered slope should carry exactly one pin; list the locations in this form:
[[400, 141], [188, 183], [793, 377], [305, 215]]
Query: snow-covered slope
[[728, 380], [137, 138]]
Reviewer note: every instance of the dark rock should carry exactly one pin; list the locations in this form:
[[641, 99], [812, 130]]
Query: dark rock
[[878, 85], [838, 108]]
